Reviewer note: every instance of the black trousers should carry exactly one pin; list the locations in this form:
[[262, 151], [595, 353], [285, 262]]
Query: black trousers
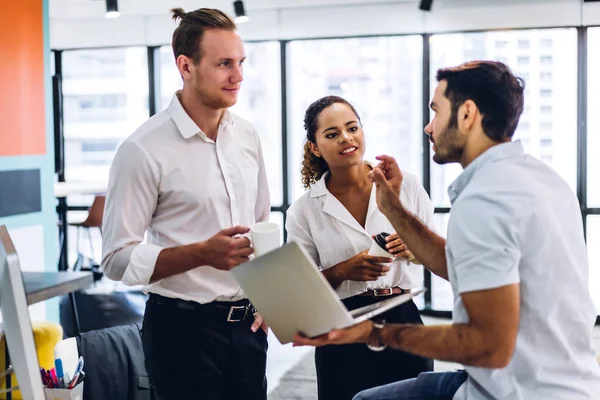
[[345, 370], [196, 354]]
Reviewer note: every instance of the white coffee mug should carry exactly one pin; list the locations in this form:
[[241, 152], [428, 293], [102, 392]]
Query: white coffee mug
[[265, 236]]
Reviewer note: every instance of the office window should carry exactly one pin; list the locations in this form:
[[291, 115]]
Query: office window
[[546, 43], [169, 77], [546, 76], [593, 238], [545, 143], [523, 44], [593, 128], [105, 100], [259, 101], [546, 60], [545, 125], [442, 297], [449, 49], [523, 60], [277, 217], [546, 109], [380, 76], [501, 44]]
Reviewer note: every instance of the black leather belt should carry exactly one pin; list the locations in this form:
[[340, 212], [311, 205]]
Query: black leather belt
[[234, 311]]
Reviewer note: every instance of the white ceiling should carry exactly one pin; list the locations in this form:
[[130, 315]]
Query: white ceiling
[[70, 9], [91, 9]]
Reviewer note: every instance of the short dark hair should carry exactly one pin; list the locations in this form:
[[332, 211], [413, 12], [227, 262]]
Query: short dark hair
[[496, 91], [314, 167], [187, 36]]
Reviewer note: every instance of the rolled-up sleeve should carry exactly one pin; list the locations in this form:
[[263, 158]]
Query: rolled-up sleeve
[[131, 200], [483, 242]]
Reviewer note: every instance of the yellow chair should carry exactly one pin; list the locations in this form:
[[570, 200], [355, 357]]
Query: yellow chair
[[46, 335]]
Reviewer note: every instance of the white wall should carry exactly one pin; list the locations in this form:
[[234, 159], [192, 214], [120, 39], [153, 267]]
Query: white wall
[[155, 28]]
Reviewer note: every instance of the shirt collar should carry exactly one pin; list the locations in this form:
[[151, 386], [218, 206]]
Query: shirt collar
[[494, 153], [187, 127], [320, 187]]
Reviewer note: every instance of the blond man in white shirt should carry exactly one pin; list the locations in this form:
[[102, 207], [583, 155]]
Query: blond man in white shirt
[[192, 179], [335, 221]]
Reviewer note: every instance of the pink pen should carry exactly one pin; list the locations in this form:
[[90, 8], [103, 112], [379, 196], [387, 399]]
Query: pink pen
[[54, 378]]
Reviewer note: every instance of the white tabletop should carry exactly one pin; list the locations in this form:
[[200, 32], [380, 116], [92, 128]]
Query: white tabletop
[[64, 189]]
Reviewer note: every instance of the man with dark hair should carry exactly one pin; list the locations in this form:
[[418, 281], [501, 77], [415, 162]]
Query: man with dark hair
[[191, 180], [515, 257]]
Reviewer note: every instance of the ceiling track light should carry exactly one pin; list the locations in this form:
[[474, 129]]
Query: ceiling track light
[[112, 9], [240, 12], [425, 5]]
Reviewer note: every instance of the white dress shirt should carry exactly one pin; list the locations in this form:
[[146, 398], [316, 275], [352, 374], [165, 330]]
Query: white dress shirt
[[172, 183], [326, 229], [515, 221]]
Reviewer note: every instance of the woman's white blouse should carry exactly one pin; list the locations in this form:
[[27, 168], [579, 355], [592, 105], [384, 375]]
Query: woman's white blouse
[[325, 228]]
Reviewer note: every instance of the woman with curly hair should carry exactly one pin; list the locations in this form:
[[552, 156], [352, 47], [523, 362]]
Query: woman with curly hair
[[335, 221]]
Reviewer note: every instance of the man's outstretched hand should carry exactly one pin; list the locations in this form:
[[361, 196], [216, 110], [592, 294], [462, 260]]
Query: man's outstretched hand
[[388, 180]]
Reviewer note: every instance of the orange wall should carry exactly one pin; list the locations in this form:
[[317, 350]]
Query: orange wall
[[22, 109]]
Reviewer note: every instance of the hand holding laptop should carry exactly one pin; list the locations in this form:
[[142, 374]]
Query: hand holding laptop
[[358, 333]]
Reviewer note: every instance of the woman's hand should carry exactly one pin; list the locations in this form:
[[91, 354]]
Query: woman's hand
[[396, 246], [363, 267]]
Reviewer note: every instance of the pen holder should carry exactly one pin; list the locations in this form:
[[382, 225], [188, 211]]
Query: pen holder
[[65, 394]]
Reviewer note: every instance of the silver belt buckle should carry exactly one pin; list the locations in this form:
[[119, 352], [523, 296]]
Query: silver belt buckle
[[382, 292], [232, 309]]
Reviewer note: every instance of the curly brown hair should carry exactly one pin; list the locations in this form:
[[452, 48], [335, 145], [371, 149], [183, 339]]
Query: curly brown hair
[[314, 167]]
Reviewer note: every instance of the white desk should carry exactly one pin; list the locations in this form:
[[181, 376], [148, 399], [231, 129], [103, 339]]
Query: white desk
[[64, 189]]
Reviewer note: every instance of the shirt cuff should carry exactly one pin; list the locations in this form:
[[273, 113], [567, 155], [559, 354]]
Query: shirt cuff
[[141, 264]]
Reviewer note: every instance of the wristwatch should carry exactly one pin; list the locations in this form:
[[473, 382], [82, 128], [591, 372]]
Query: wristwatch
[[374, 341]]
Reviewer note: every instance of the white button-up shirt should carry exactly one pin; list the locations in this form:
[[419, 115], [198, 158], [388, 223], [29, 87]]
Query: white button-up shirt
[[326, 229], [172, 183], [514, 220]]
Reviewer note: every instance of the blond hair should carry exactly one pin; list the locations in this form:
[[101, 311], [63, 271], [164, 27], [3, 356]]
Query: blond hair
[[192, 25]]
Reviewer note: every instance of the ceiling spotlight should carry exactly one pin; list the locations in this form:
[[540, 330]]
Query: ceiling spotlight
[[112, 9], [425, 5], [240, 13]]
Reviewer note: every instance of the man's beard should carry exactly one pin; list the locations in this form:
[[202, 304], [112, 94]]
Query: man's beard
[[446, 147], [213, 101]]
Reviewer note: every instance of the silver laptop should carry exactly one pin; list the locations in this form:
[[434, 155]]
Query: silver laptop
[[292, 295]]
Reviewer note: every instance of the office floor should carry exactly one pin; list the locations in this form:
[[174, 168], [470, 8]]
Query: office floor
[[299, 379]]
